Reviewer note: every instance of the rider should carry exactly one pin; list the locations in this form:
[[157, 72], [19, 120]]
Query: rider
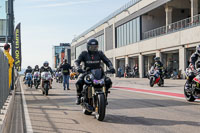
[[92, 60], [194, 61], [36, 69], [46, 68], [159, 66], [28, 70]]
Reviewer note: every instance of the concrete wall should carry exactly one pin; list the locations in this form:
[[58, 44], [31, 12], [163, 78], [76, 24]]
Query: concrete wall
[[153, 20]]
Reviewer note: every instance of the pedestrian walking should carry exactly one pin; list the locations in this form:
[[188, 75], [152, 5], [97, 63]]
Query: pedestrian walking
[[10, 61], [65, 68]]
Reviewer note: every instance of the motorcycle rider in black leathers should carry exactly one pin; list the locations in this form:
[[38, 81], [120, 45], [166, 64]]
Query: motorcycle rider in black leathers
[[159, 66], [28, 70], [36, 69], [46, 68], [92, 60], [194, 64]]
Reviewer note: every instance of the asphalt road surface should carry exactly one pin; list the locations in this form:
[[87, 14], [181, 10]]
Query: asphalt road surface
[[128, 111]]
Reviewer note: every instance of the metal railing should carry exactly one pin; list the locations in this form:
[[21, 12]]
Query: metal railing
[[173, 27], [4, 80]]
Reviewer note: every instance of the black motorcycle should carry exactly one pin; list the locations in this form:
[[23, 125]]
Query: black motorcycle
[[36, 79], [94, 95]]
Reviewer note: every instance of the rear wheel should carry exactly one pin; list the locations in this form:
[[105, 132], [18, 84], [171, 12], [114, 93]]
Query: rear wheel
[[101, 107], [189, 97], [151, 82]]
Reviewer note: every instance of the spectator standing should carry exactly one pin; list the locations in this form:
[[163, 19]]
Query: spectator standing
[[65, 67], [10, 61]]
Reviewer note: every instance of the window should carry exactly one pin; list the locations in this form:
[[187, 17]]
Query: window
[[100, 39], [80, 48], [128, 33]]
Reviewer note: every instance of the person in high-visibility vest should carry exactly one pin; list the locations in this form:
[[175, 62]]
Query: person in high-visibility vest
[[10, 61]]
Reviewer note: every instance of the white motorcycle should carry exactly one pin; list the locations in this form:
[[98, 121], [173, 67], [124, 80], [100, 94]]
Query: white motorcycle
[[46, 80]]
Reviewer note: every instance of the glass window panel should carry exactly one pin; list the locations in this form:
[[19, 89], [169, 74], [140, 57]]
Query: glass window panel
[[122, 35], [131, 31], [138, 29], [125, 36], [134, 31], [128, 33]]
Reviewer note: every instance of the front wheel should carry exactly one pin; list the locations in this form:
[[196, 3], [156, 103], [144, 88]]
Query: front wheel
[[151, 81], [189, 97], [101, 107]]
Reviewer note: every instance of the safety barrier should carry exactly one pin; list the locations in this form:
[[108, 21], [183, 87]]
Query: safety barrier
[[4, 79]]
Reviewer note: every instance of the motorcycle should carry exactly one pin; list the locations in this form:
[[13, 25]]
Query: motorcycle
[[94, 95], [194, 92], [46, 80], [154, 77], [29, 79], [74, 75], [36, 79]]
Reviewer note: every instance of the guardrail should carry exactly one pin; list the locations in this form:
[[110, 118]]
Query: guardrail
[[173, 27], [4, 80]]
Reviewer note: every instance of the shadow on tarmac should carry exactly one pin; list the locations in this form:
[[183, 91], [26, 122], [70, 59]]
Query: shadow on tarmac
[[146, 103], [120, 119]]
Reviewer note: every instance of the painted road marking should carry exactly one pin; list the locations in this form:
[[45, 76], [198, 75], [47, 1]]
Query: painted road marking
[[153, 92], [29, 128]]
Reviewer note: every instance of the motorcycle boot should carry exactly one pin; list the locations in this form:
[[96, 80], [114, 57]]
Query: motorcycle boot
[[78, 100]]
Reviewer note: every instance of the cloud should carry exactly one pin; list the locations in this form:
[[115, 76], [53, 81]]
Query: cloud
[[69, 3]]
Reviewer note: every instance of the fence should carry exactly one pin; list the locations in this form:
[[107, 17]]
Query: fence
[[180, 25], [4, 80]]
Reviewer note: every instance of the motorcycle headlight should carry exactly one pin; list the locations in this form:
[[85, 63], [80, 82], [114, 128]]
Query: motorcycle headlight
[[88, 79]]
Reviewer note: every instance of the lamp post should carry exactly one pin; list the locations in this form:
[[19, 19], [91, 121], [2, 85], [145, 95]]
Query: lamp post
[[10, 37]]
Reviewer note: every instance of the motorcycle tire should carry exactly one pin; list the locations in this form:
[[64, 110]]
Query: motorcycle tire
[[86, 112], [151, 82], [189, 97], [36, 86], [101, 107], [47, 92], [46, 89]]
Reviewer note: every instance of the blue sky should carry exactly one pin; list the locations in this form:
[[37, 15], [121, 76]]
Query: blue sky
[[49, 22], [2, 9]]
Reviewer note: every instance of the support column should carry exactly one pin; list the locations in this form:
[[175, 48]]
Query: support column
[[126, 60], [182, 60], [194, 9], [168, 11], [115, 66], [141, 66]]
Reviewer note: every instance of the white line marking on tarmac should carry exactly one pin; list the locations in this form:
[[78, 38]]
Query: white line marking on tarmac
[[29, 128]]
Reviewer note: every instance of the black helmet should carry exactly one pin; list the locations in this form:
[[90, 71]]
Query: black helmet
[[92, 45], [29, 67], [36, 67], [46, 64], [198, 49], [157, 59]]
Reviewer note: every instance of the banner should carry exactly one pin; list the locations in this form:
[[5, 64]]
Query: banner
[[17, 47]]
